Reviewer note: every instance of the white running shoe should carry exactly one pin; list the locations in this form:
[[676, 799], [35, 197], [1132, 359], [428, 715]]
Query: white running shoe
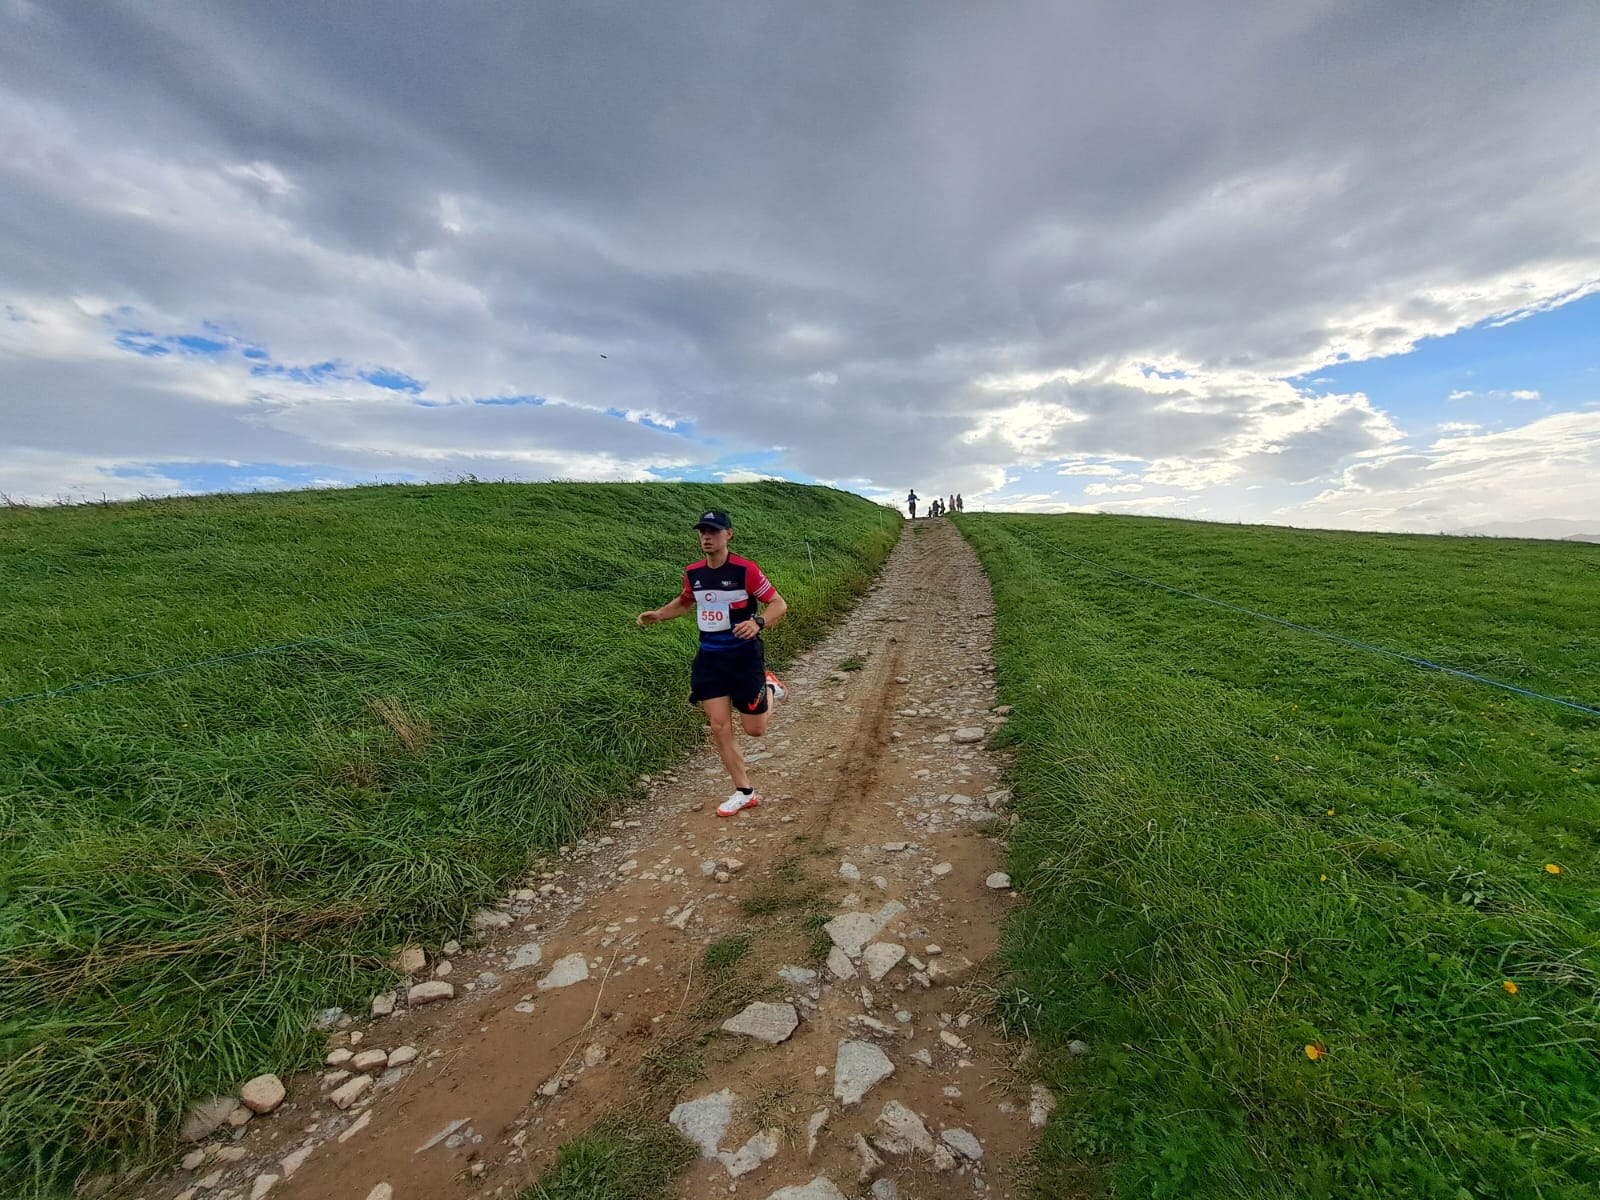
[[737, 803], [780, 693]]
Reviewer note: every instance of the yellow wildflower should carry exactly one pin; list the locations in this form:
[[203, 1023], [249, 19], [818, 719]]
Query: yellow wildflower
[[1316, 1051], [1555, 868], [1510, 987]]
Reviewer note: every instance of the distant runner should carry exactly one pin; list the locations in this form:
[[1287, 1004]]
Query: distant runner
[[731, 669], [911, 503]]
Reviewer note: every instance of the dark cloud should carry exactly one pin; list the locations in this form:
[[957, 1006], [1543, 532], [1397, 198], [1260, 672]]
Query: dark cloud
[[818, 228]]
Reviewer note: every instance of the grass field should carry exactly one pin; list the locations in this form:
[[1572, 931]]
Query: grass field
[[192, 864], [1328, 923]]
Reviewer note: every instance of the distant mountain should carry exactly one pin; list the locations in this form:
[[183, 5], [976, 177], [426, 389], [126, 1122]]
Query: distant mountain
[[1551, 527]]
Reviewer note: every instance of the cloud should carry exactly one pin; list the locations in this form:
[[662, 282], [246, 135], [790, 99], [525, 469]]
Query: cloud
[[1519, 394], [952, 249], [1465, 478]]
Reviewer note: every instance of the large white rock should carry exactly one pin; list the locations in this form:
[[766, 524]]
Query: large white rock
[[857, 1069], [967, 735], [262, 1185], [370, 1060], [771, 1023], [900, 1131], [839, 964], [705, 1120], [571, 969], [489, 918], [428, 993], [752, 1154], [880, 958], [401, 1055], [998, 882], [262, 1094], [820, 1188]]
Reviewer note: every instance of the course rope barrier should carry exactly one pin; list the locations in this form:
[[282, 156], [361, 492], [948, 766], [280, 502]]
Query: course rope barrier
[[1321, 633]]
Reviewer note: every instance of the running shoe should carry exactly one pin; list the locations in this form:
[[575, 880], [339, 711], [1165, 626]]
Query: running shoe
[[780, 693], [737, 803]]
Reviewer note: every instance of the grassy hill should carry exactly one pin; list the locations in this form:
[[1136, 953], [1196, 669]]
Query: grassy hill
[[192, 863], [1328, 924]]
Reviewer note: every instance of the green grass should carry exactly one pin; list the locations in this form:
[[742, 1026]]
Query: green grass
[[1239, 840], [726, 951], [193, 864], [618, 1160]]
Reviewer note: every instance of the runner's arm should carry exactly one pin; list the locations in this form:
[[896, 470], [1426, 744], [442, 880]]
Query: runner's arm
[[675, 608], [777, 608]]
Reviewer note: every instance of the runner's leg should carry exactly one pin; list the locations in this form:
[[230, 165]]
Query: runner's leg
[[719, 711]]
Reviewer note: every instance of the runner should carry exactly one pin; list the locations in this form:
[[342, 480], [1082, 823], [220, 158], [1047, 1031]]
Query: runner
[[911, 503], [730, 669]]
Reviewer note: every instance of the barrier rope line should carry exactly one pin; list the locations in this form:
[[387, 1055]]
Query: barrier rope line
[[343, 635], [1321, 633]]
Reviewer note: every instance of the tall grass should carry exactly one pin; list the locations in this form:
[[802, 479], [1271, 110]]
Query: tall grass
[[193, 864], [1240, 841]]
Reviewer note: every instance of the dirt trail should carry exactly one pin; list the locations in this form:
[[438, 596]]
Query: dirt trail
[[873, 800]]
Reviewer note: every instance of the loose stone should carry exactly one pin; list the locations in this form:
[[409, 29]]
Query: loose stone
[[489, 918], [381, 1191], [383, 1004], [292, 1162], [858, 1068], [1041, 1103], [262, 1094], [355, 1126], [527, 955], [350, 1091], [568, 970], [881, 957], [839, 964], [850, 871], [205, 1117], [967, 735], [963, 1143], [820, 1188], [370, 1060], [411, 960], [430, 992], [998, 882], [705, 1120], [401, 1055], [813, 1128], [752, 1154], [871, 1164], [900, 1131], [770, 1023], [193, 1160], [262, 1185]]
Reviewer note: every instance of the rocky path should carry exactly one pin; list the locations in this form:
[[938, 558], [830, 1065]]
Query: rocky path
[[801, 990]]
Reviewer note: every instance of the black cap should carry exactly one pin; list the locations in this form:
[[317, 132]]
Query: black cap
[[715, 519]]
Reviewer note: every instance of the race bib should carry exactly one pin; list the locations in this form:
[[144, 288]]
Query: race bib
[[713, 611]]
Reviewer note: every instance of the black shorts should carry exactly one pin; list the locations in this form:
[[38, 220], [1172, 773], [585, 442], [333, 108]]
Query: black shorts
[[739, 674]]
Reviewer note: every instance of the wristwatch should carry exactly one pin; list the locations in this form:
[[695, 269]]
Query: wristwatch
[[761, 622]]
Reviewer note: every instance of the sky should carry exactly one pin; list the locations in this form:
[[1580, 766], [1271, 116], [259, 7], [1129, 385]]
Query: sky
[[1315, 263]]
